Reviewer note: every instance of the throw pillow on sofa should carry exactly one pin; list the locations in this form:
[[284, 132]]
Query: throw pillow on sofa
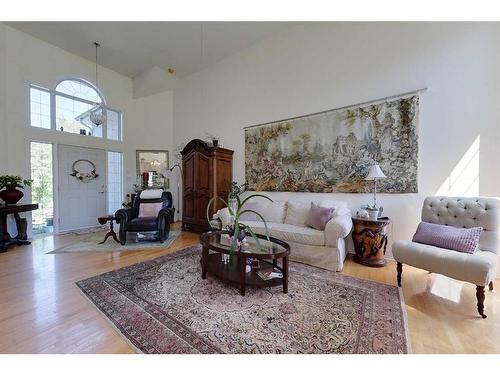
[[465, 240], [250, 216], [297, 213], [273, 212], [319, 216]]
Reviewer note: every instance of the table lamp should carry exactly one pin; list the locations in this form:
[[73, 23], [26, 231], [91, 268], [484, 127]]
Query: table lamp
[[375, 173]]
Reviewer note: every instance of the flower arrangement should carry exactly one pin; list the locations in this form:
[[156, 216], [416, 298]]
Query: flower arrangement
[[235, 204], [11, 182]]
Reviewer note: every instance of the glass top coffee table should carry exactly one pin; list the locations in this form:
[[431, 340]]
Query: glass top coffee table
[[217, 246]]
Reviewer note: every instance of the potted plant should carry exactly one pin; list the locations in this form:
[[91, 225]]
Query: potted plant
[[235, 205], [10, 183]]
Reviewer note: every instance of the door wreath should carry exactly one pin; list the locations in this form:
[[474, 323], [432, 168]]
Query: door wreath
[[84, 176]]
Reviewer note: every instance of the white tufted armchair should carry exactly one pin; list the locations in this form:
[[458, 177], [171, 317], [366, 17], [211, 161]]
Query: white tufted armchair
[[478, 268]]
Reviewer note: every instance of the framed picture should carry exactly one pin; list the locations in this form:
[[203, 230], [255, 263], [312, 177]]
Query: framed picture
[[152, 169]]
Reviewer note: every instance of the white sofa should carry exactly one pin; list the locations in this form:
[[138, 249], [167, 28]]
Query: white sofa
[[478, 268], [285, 221]]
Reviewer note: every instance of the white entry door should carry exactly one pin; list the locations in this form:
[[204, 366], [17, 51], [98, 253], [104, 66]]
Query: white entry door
[[80, 203]]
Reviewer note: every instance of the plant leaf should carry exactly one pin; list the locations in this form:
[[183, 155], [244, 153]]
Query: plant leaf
[[259, 215], [253, 235]]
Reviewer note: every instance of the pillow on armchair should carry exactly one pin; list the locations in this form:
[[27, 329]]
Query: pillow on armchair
[[465, 240], [150, 209]]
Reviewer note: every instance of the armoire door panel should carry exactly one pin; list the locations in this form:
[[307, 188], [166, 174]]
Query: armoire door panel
[[207, 173]]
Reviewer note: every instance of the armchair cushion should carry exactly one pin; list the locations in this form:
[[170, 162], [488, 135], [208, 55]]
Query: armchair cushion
[[150, 209], [478, 268], [465, 240], [143, 224]]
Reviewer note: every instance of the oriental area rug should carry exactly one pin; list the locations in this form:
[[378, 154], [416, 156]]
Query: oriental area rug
[[164, 306]]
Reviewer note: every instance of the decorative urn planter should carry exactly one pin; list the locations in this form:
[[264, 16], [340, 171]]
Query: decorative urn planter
[[11, 196]]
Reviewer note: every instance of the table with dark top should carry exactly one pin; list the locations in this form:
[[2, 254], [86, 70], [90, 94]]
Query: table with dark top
[[268, 254], [22, 237]]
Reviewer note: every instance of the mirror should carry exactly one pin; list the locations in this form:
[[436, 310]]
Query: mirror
[[152, 168]]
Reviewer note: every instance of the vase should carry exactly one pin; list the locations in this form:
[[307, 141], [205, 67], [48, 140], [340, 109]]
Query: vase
[[373, 214], [11, 196]]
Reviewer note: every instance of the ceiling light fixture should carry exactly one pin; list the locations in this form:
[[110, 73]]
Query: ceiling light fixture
[[98, 113]]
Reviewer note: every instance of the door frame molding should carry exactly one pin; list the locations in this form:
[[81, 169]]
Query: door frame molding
[[55, 174]]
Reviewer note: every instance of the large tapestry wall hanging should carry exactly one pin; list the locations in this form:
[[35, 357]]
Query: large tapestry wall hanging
[[331, 151]]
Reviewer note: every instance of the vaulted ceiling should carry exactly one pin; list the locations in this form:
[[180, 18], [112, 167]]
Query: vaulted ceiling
[[132, 48]]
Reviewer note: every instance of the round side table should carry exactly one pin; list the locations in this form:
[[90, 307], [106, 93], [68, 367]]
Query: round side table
[[370, 241]]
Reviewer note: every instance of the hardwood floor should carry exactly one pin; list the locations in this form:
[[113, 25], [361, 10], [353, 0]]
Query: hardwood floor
[[42, 311]]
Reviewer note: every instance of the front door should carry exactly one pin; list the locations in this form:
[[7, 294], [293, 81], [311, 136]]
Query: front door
[[81, 202]]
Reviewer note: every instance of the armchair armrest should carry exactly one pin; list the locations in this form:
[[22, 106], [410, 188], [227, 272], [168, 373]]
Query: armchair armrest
[[124, 215], [167, 214], [223, 215], [338, 227]]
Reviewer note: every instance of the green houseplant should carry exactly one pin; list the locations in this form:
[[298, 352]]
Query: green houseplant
[[8, 186], [235, 204]]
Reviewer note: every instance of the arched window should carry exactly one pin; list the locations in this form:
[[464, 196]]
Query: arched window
[[80, 89], [73, 100]]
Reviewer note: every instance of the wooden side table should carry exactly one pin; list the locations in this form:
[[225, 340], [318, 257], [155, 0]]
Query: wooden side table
[[103, 220], [370, 241]]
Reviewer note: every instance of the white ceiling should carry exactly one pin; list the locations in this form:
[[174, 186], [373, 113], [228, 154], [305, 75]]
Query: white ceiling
[[131, 48]]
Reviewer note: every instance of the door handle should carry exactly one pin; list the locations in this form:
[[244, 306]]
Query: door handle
[[101, 192]]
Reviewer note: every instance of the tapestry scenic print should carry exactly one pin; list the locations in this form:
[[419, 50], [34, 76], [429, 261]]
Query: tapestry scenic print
[[332, 151]]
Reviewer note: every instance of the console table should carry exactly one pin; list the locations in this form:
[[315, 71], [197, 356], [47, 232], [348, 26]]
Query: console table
[[21, 238]]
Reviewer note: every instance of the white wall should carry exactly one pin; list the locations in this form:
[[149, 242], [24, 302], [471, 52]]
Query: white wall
[[151, 128], [25, 60], [321, 66]]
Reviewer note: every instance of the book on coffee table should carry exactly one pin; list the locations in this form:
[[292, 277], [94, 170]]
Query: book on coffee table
[[268, 275]]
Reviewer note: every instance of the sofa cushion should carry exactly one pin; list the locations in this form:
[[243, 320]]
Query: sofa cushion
[[302, 235], [250, 216], [258, 226], [296, 213], [273, 212], [318, 216], [478, 268], [465, 240]]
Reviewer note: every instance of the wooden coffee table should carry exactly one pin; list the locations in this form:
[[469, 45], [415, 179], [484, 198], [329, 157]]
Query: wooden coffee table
[[217, 243]]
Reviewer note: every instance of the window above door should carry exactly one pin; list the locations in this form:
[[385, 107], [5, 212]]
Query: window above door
[[68, 108]]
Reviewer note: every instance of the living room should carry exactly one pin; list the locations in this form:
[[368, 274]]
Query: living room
[[244, 187]]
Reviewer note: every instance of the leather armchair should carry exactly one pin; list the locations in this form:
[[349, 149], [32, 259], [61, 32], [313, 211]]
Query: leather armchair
[[131, 222]]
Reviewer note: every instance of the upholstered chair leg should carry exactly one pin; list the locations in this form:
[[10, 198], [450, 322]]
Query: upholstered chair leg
[[399, 268], [480, 300], [490, 285]]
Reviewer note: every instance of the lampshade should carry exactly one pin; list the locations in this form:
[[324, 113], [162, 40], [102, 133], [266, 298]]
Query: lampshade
[[375, 173]]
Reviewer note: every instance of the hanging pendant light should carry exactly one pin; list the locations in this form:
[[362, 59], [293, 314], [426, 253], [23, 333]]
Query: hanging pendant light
[[98, 113]]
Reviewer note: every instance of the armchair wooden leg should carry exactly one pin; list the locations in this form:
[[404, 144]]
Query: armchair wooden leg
[[399, 268], [490, 285], [480, 300]]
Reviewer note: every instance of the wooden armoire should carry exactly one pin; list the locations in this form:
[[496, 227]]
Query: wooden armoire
[[208, 172]]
